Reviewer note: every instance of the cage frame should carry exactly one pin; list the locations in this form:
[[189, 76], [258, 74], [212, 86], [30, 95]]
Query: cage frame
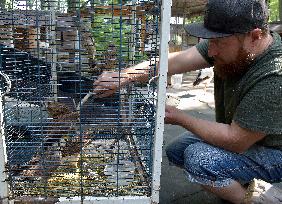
[[158, 135]]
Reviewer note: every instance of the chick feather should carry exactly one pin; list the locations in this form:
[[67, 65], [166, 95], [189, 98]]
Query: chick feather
[[205, 76]]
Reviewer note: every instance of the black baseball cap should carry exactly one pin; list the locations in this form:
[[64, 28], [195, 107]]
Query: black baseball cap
[[226, 17]]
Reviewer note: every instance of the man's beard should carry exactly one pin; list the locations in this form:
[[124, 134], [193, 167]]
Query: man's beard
[[236, 68]]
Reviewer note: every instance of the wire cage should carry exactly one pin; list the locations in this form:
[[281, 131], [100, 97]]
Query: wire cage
[[59, 142]]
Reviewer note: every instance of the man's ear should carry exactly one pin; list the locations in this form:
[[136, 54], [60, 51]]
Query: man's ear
[[256, 34]]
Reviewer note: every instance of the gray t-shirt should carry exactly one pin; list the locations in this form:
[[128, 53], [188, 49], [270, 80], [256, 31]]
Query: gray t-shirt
[[253, 101]]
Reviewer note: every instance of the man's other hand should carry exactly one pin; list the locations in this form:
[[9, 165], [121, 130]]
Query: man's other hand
[[173, 115]]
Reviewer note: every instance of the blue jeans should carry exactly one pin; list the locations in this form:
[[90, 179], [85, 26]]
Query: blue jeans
[[209, 165]]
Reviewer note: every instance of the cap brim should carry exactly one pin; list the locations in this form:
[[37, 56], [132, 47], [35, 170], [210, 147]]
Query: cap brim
[[198, 30]]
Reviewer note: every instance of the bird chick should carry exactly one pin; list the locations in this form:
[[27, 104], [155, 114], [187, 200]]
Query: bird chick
[[57, 109], [205, 77]]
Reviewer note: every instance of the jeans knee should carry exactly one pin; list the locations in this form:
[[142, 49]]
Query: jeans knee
[[175, 149], [173, 155], [201, 158]]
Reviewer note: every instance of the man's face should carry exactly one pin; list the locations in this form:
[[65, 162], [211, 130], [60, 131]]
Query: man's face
[[231, 59]]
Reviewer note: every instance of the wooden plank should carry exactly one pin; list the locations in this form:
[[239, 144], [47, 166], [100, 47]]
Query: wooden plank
[[39, 18], [24, 18], [123, 10], [188, 7]]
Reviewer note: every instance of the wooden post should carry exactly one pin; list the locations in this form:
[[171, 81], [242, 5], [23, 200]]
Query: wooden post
[[20, 36], [33, 37], [88, 42], [6, 35], [261, 192], [143, 32]]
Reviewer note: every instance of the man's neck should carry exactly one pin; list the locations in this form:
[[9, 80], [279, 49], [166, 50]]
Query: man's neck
[[264, 45]]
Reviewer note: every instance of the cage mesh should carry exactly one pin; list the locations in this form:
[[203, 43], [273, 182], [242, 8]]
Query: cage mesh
[[53, 51]]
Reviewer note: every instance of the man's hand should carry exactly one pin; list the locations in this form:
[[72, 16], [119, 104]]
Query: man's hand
[[108, 83], [173, 115]]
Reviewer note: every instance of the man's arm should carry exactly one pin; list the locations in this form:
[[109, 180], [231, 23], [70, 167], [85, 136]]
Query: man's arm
[[178, 62], [230, 137]]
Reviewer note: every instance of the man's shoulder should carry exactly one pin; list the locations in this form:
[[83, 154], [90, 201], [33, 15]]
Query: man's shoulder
[[266, 66]]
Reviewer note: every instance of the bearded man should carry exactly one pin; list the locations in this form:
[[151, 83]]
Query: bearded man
[[245, 142]]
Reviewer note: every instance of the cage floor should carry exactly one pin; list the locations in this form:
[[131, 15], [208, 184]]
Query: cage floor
[[97, 159], [103, 168]]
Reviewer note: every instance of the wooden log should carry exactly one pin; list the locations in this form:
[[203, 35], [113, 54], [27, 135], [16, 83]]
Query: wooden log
[[88, 43], [261, 192], [35, 200]]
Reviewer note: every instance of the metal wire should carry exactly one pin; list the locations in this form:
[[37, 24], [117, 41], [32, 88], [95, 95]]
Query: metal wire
[[61, 140]]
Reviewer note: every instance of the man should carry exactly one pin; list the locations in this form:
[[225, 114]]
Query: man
[[245, 142]]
